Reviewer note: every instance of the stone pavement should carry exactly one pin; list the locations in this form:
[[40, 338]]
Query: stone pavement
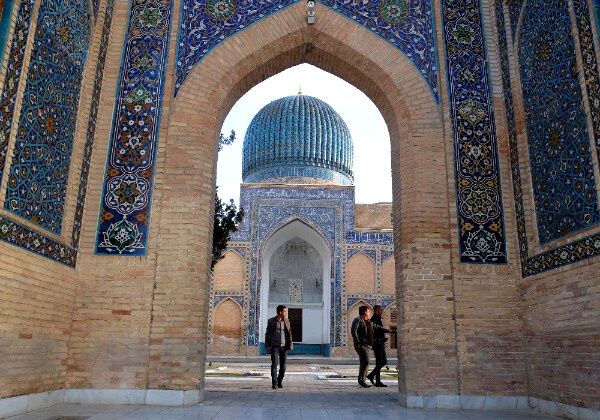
[[315, 391], [289, 405]]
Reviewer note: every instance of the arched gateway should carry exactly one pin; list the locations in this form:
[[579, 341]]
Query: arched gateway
[[108, 177]]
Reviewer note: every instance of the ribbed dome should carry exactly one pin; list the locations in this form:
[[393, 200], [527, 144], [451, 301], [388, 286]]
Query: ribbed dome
[[298, 137]]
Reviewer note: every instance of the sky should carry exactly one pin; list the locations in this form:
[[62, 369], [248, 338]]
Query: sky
[[372, 173]]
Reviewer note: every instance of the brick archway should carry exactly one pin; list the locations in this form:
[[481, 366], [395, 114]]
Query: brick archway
[[419, 172]]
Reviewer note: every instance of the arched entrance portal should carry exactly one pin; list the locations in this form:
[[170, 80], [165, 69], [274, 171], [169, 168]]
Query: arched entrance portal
[[296, 267], [419, 170]]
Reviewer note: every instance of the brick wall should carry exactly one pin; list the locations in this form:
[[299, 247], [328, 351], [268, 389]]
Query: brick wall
[[373, 216], [360, 275]]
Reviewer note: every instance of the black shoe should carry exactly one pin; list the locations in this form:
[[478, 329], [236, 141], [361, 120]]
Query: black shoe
[[364, 384], [381, 385], [279, 385], [274, 386], [370, 378]]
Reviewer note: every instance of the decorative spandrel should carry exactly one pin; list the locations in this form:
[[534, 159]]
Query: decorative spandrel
[[407, 24]]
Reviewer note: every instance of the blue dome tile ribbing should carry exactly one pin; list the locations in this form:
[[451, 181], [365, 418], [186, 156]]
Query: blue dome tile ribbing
[[298, 136]]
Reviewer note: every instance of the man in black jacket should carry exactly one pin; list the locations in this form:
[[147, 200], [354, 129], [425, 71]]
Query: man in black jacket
[[379, 340], [362, 335], [278, 340]]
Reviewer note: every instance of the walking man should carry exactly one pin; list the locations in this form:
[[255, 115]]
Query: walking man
[[379, 340], [362, 335], [278, 340]]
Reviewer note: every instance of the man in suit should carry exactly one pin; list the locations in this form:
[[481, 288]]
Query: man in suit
[[362, 335], [379, 340], [278, 340]]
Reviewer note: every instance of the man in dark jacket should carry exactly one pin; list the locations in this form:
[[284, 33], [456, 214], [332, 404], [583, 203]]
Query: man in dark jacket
[[379, 340], [278, 340], [362, 335]]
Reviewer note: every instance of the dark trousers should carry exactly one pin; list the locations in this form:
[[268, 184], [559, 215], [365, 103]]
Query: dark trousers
[[363, 358], [278, 357], [380, 361]]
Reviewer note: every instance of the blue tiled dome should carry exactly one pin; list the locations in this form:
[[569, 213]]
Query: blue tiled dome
[[298, 137]]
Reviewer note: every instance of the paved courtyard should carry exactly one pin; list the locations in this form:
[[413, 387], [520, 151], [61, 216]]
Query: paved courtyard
[[315, 391]]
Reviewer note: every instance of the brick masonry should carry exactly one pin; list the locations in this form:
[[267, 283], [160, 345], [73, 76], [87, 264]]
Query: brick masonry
[[141, 322]]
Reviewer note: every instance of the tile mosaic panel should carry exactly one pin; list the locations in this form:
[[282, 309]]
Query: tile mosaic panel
[[6, 9], [220, 297], [590, 64], [482, 237], [21, 236], [407, 24], [37, 183], [561, 256], [514, 10], [597, 15], [564, 184], [14, 68], [126, 201], [371, 253], [385, 255]]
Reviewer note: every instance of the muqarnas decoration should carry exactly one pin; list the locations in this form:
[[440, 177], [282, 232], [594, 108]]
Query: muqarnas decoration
[[407, 24], [126, 200], [482, 237], [39, 172], [562, 171]]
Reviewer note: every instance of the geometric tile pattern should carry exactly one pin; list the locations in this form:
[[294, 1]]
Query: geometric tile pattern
[[514, 10], [19, 235], [597, 14], [562, 171], [406, 24], [590, 64], [560, 256], [6, 9], [14, 68], [39, 172], [128, 183], [482, 236]]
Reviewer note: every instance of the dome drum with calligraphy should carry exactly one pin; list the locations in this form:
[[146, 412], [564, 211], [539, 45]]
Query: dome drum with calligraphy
[[298, 139]]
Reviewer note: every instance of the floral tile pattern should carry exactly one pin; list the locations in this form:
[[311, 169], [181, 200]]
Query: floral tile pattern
[[479, 203], [564, 184], [406, 24], [126, 201], [568, 254], [37, 181]]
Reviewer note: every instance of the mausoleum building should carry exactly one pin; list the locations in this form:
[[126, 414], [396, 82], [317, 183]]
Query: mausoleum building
[[301, 243]]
